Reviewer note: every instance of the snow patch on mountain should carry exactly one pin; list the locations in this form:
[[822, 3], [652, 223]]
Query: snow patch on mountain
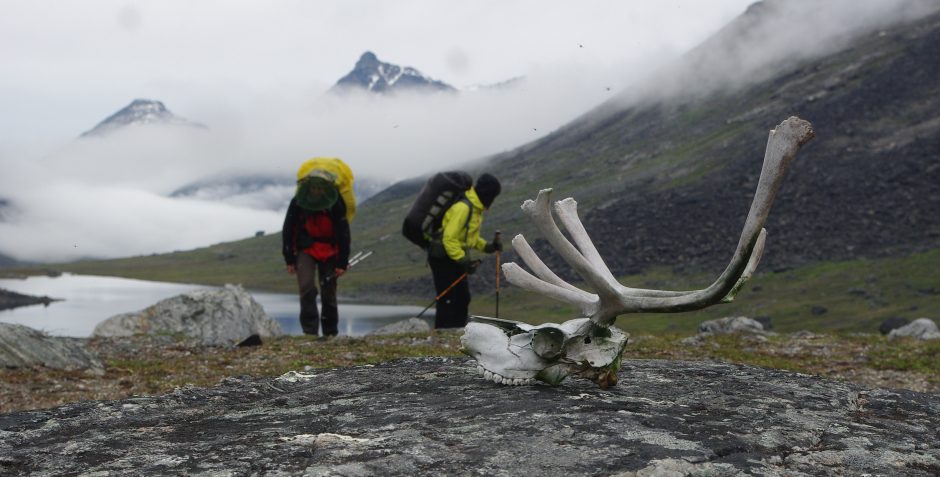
[[371, 74], [139, 112]]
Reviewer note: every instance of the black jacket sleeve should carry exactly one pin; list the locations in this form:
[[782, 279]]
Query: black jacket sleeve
[[341, 229], [289, 233]]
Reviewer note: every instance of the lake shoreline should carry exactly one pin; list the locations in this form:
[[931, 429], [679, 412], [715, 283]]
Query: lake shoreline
[[81, 302], [354, 298], [10, 300]]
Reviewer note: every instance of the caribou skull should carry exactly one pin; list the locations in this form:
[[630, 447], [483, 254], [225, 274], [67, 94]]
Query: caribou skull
[[511, 352]]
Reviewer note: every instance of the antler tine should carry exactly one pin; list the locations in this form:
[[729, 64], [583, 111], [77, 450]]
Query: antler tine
[[547, 283], [783, 142], [756, 255], [522, 247], [541, 215], [782, 145], [586, 302], [567, 211]]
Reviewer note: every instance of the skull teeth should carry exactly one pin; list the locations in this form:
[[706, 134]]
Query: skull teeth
[[498, 379]]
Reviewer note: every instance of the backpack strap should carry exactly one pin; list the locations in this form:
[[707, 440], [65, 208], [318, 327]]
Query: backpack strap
[[465, 200]]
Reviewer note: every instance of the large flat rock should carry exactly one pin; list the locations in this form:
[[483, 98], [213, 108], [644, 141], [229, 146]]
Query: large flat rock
[[433, 416]]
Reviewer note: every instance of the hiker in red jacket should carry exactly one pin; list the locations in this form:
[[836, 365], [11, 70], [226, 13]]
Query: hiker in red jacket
[[315, 240]]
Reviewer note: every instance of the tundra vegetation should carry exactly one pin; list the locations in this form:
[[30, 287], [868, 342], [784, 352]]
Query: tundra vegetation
[[155, 365]]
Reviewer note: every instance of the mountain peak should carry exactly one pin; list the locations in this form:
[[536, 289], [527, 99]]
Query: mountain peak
[[147, 103], [367, 60], [139, 111], [372, 75]]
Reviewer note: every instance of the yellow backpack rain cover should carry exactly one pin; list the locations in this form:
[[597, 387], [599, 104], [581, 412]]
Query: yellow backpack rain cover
[[342, 175]]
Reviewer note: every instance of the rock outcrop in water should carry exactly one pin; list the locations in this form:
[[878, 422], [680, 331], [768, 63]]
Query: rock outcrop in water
[[434, 416], [23, 347], [10, 299], [220, 317]]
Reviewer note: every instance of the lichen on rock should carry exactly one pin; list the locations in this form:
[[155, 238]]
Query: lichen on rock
[[432, 416]]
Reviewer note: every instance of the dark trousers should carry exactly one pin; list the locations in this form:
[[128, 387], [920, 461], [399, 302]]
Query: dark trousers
[[452, 308], [307, 270]]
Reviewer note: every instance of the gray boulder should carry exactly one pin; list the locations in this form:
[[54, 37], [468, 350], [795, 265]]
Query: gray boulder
[[411, 325], [23, 347], [219, 317], [921, 328], [435, 416], [730, 325]]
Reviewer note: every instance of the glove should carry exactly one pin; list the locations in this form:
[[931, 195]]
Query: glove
[[469, 266], [495, 246]]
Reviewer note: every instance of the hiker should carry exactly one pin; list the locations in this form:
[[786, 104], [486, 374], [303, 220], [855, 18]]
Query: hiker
[[449, 251], [316, 239]]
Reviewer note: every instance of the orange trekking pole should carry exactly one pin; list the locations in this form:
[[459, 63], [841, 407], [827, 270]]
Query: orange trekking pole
[[497, 277], [437, 298]]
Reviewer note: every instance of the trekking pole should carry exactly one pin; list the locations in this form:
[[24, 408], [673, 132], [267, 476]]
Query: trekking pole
[[356, 259], [359, 257], [497, 275], [452, 285]]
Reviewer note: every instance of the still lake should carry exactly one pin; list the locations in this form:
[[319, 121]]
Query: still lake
[[88, 300]]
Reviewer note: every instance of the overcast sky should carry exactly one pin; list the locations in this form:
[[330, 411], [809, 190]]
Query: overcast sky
[[255, 72]]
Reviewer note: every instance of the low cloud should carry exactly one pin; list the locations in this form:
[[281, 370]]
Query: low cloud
[[110, 196], [771, 36], [64, 221]]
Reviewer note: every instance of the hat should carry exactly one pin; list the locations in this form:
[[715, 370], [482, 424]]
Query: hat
[[487, 188], [316, 193]]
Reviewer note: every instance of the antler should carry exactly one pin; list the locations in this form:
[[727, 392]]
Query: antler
[[612, 298]]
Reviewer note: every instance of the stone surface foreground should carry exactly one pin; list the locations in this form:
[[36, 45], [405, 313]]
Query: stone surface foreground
[[433, 416]]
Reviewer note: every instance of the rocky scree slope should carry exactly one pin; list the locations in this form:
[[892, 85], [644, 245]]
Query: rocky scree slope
[[670, 184]]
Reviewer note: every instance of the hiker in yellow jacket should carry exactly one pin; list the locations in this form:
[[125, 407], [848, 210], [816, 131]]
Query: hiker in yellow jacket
[[449, 252]]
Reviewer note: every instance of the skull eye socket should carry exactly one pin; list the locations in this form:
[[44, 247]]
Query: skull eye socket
[[548, 343]]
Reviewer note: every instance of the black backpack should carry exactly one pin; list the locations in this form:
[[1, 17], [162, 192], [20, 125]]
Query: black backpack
[[440, 192]]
